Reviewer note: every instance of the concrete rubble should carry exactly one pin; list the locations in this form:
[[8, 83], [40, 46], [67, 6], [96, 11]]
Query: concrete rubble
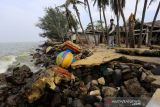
[[96, 75]]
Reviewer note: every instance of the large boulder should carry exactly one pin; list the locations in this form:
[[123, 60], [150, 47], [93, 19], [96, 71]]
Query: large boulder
[[19, 75], [134, 87]]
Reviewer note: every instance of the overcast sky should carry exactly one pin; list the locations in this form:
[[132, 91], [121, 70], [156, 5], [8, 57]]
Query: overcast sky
[[19, 17]]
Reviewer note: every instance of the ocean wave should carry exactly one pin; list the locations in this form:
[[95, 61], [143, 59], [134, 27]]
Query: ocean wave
[[16, 53], [5, 61]]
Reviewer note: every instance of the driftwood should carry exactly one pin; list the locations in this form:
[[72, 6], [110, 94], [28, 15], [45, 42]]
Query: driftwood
[[139, 52]]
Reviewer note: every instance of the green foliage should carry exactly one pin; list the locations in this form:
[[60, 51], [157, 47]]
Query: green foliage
[[89, 27], [72, 22], [101, 3], [98, 26], [54, 24], [114, 6]]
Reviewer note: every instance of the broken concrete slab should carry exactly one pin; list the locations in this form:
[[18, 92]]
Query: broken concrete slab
[[99, 56], [155, 100], [52, 77], [155, 47], [138, 51], [102, 55]]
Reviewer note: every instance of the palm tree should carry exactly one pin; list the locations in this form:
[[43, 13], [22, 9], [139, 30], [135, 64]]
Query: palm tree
[[74, 3], [99, 5], [89, 10], [151, 1], [142, 22], [104, 4], [72, 22], [155, 17], [136, 6], [117, 6], [122, 3]]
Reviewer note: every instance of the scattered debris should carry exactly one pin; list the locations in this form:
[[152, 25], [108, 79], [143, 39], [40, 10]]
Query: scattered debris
[[96, 74]]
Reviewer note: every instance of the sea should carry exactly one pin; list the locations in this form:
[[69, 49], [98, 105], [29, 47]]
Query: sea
[[17, 53]]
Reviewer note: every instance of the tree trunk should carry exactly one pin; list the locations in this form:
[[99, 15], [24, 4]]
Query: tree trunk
[[105, 21], [91, 22], [78, 37], [124, 21], [100, 14], [104, 16], [131, 38], [135, 12], [155, 17], [118, 32], [79, 19], [142, 22]]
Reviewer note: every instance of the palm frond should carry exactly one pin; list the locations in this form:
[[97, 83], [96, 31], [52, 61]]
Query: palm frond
[[114, 6], [151, 2]]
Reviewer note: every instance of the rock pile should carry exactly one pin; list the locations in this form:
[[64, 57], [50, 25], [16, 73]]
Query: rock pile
[[12, 85], [81, 87]]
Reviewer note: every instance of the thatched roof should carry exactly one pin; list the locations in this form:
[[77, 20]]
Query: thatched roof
[[157, 24]]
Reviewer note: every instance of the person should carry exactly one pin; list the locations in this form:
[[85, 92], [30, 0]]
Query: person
[[73, 38], [111, 34]]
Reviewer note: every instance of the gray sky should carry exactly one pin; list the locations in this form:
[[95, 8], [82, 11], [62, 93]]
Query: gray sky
[[19, 17]]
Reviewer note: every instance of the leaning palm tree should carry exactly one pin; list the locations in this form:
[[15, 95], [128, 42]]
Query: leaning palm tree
[[151, 1], [117, 6], [155, 17], [142, 22], [121, 4], [74, 3], [89, 10], [105, 3], [72, 22]]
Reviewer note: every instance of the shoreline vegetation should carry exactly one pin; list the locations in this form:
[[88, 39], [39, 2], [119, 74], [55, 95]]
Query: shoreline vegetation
[[95, 71]]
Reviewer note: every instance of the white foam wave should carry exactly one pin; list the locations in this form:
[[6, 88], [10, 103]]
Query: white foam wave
[[5, 61]]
